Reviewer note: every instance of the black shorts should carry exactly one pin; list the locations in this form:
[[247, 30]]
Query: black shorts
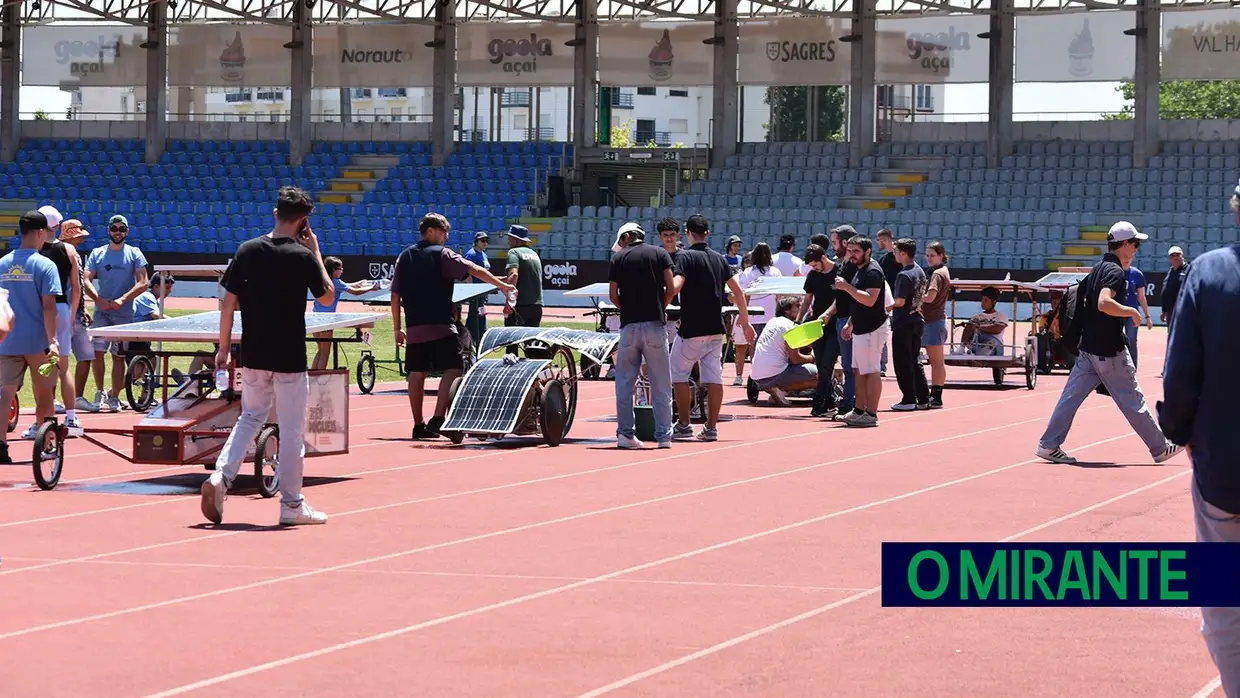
[[443, 354]]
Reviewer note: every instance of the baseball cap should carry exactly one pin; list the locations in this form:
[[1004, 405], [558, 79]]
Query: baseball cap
[[733, 239], [118, 218], [32, 221], [626, 228], [1175, 249], [481, 236], [53, 216], [1123, 230]]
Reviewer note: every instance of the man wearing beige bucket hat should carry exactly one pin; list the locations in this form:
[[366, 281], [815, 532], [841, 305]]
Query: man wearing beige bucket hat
[[70, 328]]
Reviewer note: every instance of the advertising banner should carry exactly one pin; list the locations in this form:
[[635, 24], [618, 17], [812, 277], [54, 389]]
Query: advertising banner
[[374, 55], [1201, 45], [649, 54], [794, 51], [514, 54], [229, 55], [932, 50], [94, 56], [1077, 47]]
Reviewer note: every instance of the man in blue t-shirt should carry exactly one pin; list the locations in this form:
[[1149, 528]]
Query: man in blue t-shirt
[[476, 321], [118, 273], [1136, 299], [32, 283]]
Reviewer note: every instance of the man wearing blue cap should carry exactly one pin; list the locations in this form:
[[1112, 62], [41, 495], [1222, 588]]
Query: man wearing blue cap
[[525, 272], [118, 272], [1200, 382]]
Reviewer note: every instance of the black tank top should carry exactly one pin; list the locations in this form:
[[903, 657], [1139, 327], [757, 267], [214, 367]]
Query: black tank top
[[55, 251]]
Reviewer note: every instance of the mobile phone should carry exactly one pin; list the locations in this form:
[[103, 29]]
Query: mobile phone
[[301, 231]]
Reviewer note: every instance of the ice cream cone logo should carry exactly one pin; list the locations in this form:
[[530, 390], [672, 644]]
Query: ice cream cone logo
[[661, 59], [232, 60], [1081, 53]]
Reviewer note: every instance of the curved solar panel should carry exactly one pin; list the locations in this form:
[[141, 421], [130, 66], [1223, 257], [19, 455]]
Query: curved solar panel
[[597, 346], [503, 336], [205, 327], [778, 285], [491, 394]]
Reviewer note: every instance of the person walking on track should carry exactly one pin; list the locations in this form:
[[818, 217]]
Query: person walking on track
[[267, 280], [1105, 358]]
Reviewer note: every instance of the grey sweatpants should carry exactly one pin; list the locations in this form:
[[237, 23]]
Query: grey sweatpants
[[1220, 626]]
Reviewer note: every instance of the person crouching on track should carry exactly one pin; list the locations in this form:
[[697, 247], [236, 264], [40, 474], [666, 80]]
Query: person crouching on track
[[32, 283], [778, 368], [422, 284], [701, 277], [268, 279]]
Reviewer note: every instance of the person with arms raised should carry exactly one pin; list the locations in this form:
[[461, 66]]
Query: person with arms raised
[[268, 280]]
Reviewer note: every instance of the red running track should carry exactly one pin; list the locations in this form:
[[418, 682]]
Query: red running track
[[747, 567]]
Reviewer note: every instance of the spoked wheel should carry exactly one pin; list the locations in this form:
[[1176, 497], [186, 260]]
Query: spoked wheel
[[553, 416], [140, 390], [563, 369], [48, 460], [456, 437], [267, 461], [15, 411], [366, 373]]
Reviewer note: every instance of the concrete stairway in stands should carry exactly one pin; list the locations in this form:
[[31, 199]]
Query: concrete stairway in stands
[[893, 183], [357, 178]]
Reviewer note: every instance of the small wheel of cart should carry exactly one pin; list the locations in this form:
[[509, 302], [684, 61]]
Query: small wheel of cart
[[48, 459], [15, 411], [456, 437], [752, 391], [1031, 365], [998, 374], [366, 372], [140, 391], [267, 461], [552, 412]]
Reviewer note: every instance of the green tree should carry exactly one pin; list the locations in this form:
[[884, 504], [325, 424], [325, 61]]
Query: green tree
[[1187, 99], [40, 115], [790, 105]]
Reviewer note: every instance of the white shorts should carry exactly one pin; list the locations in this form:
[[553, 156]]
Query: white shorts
[[867, 349], [706, 352]]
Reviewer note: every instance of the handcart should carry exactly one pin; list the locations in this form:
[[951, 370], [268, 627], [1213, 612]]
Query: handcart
[[192, 423], [1020, 353]]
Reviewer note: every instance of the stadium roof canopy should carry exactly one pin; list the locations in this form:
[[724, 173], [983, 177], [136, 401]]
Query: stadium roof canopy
[[423, 11]]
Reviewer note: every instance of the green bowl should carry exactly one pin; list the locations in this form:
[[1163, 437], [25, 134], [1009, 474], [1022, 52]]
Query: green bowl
[[804, 335]]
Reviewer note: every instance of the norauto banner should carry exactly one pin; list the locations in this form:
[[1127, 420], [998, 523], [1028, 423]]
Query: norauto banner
[[374, 55]]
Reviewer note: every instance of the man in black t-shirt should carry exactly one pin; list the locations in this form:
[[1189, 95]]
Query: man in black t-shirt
[[700, 277], [267, 280], [820, 294], [1104, 356], [868, 328], [907, 324], [840, 313], [669, 237], [642, 287]]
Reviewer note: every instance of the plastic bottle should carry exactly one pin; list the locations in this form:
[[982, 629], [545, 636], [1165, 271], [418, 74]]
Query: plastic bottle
[[221, 380]]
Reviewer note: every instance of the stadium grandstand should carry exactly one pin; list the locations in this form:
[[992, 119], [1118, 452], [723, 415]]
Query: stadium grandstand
[[1005, 196]]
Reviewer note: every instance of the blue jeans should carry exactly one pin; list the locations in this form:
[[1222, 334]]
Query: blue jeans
[[1130, 329], [1119, 375], [644, 341], [850, 380]]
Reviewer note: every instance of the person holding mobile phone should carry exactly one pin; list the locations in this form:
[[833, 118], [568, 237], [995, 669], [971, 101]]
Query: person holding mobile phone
[[268, 280]]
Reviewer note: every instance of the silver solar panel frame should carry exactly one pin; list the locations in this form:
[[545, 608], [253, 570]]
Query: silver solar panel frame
[[205, 327], [491, 396], [461, 293], [496, 337], [601, 289], [596, 346]]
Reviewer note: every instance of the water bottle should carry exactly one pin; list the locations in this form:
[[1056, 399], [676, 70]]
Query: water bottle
[[221, 380]]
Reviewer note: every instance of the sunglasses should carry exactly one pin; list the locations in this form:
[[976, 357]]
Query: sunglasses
[[119, 229]]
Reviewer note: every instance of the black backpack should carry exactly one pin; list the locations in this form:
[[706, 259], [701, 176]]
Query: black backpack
[[1072, 313]]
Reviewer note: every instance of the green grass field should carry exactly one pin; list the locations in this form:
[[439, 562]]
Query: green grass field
[[382, 343]]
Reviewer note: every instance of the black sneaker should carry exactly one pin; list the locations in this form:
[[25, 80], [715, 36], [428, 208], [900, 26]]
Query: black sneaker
[[421, 432], [936, 403], [434, 425], [4, 454]]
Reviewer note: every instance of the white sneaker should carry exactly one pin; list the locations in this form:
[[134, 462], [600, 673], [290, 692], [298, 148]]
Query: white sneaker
[[60, 408], [628, 442], [1055, 455], [85, 406], [301, 515], [738, 381], [904, 407], [214, 491], [31, 432], [74, 427], [101, 399], [114, 404], [1168, 453]]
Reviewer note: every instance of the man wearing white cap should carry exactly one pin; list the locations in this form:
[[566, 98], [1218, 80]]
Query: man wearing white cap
[[1172, 283], [1104, 356], [68, 266]]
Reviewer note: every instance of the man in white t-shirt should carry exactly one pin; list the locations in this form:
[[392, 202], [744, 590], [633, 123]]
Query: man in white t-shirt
[[777, 367], [785, 261]]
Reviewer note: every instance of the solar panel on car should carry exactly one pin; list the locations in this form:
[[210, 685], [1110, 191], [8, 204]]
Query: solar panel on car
[[491, 395]]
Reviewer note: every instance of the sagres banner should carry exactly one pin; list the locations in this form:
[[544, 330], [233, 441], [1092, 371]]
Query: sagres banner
[[95, 56], [229, 55], [525, 54], [646, 54], [1201, 45], [794, 51], [932, 50], [1078, 47], [374, 55]]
